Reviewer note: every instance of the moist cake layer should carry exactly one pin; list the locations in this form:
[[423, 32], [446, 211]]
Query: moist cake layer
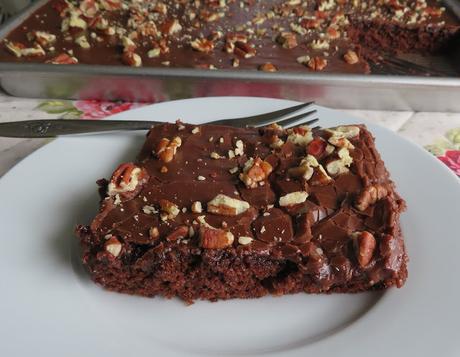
[[213, 212], [268, 35]]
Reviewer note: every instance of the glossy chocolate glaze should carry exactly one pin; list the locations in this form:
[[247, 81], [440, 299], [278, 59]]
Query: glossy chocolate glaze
[[430, 33], [302, 247]]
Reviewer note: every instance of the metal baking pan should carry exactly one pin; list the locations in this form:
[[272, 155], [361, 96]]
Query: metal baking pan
[[380, 92]]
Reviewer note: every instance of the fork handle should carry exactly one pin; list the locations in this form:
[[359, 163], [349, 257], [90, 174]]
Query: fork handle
[[52, 128]]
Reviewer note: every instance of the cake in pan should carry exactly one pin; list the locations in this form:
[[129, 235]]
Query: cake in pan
[[269, 35]]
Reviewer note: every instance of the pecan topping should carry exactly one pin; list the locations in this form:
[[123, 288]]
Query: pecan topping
[[89, 8], [347, 131], [166, 149], [232, 38], [44, 39], [364, 243], [340, 165], [268, 67], [19, 50], [169, 210], [351, 57], [332, 33], [197, 207], [316, 147], [244, 240], [293, 198], [131, 59], [340, 138], [213, 238], [370, 195], [111, 5], [126, 178], [300, 135], [227, 206], [287, 40], [113, 246], [307, 168], [202, 45], [63, 58], [255, 172], [179, 233], [244, 50], [154, 233], [317, 63], [171, 27]]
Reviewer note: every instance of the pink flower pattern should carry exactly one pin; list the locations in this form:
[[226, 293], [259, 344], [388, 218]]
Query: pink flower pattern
[[93, 109], [452, 159]]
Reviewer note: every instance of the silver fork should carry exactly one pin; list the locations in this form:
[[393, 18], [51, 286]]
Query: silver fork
[[58, 127]]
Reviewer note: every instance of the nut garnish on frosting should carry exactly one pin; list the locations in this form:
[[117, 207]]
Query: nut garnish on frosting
[[227, 206], [166, 149], [126, 178], [255, 172], [293, 198]]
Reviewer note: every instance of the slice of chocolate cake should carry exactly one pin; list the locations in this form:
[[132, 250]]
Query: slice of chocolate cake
[[213, 212]]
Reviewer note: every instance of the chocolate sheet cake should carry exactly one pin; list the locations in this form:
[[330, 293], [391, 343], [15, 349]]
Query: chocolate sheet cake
[[212, 212], [267, 35]]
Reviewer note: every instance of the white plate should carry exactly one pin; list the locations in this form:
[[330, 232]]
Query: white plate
[[49, 307]]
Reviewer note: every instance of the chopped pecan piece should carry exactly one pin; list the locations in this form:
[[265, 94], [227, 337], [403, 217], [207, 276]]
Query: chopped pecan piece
[[339, 138], [20, 50], [197, 207], [154, 233], [245, 240], [317, 63], [127, 178], [244, 50], [268, 67], [227, 206], [111, 5], [255, 171], [340, 166], [316, 147], [301, 135], [213, 238], [351, 57], [169, 210], [131, 59], [293, 198], [89, 8], [113, 246], [202, 45], [63, 58], [166, 149], [44, 39], [348, 131], [232, 38], [171, 27], [364, 243], [370, 195], [179, 233], [308, 167], [287, 40], [332, 33], [15, 48]]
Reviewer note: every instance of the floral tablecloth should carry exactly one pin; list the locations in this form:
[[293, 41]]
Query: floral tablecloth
[[439, 133]]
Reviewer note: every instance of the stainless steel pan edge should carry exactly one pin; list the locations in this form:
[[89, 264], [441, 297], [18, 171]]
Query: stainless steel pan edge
[[160, 84]]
